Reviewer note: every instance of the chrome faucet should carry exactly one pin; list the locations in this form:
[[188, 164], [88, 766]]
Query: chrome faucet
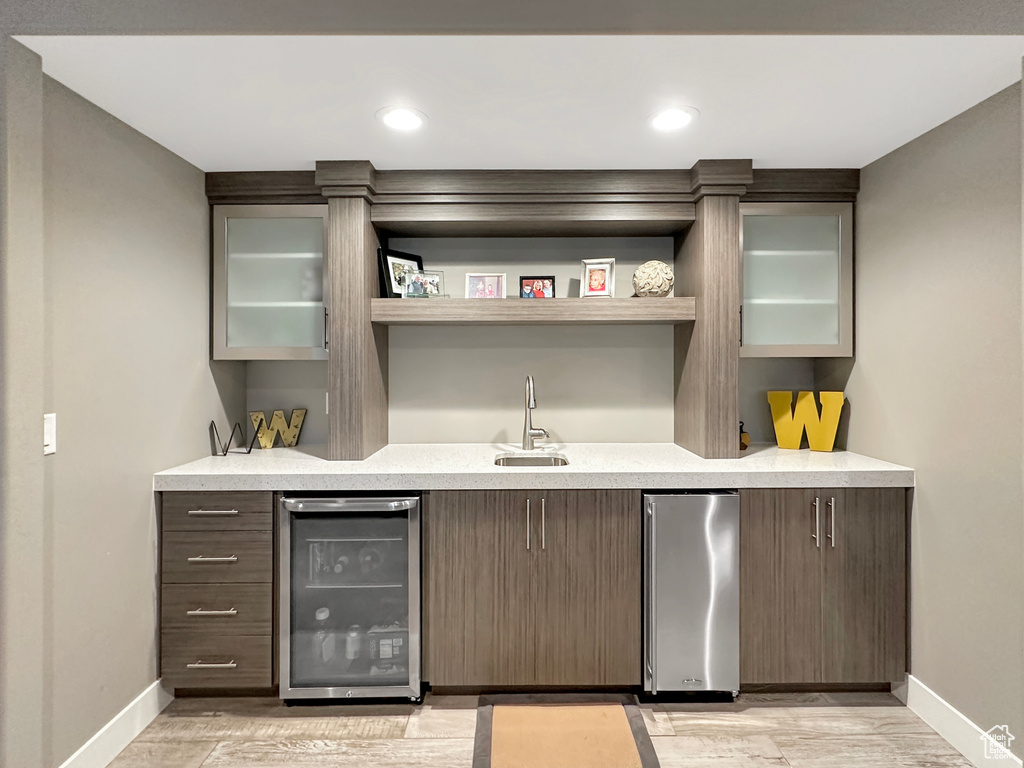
[[529, 431]]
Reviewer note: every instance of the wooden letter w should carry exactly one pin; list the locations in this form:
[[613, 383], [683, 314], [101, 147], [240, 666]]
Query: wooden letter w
[[790, 424]]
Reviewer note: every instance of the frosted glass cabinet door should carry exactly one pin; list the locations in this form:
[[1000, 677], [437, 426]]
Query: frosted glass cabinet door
[[268, 282], [797, 280]]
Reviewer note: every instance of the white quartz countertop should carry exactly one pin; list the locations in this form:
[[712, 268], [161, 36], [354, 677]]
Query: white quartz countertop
[[450, 466]]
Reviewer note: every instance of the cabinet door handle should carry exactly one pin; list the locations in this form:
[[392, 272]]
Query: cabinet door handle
[[817, 523], [213, 512], [527, 525], [212, 665], [205, 559], [832, 521], [204, 612], [543, 525]]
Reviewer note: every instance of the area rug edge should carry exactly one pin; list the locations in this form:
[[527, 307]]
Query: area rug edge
[[482, 738], [642, 739]]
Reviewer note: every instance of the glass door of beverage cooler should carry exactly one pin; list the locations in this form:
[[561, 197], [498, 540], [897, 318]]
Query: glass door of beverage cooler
[[349, 612]]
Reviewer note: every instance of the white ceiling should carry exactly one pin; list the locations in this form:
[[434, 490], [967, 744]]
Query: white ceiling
[[281, 103]]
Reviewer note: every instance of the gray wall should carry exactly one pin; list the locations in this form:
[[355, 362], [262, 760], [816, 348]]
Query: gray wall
[[127, 372], [21, 388], [937, 386]]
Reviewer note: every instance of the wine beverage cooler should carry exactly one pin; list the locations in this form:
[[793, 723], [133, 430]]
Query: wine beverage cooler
[[349, 607]]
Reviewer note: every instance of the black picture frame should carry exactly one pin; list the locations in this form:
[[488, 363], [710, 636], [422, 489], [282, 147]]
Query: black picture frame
[[389, 289], [524, 278]]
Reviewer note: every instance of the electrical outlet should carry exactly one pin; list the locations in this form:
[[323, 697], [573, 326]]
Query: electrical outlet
[[49, 433]]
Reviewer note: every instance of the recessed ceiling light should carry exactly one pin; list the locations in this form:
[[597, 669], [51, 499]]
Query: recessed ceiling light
[[673, 118], [401, 118]]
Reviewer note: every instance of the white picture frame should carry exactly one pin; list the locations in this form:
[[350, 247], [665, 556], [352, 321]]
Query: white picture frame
[[597, 278], [485, 285]]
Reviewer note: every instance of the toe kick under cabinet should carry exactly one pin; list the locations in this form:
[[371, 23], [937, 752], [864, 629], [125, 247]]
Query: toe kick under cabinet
[[217, 605], [532, 588]]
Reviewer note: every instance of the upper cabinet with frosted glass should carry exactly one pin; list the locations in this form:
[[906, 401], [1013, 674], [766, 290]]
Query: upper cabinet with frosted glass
[[797, 280], [268, 282]]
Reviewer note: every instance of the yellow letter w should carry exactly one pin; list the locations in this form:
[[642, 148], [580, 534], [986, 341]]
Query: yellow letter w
[[790, 424]]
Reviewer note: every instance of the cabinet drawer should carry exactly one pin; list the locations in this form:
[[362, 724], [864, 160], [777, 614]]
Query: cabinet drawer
[[211, 511], [224, 556], [210, 661], [220, 609]]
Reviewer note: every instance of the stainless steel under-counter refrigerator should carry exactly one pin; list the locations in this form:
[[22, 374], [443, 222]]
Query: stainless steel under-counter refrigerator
[[349, 607], [692, 592]]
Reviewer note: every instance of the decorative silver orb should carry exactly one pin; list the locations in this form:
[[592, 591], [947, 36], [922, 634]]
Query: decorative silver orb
[[653, 279]]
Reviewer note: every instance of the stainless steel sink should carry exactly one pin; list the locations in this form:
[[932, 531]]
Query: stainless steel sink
[[525, 460]]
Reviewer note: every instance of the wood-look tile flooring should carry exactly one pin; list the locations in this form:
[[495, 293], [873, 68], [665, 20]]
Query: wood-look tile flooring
[[834, 730]]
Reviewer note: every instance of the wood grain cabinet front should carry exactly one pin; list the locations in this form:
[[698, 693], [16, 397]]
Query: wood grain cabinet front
[[532, 588], [217, 604], [822, 585]]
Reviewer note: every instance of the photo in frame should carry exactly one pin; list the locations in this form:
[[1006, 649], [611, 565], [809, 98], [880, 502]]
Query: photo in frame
[[485, 285], [537, 287], [424, 284], [394, 266], [597, 278]]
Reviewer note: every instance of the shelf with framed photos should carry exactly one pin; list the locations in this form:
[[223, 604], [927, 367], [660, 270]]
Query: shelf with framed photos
[[665, 311], [503, 298]]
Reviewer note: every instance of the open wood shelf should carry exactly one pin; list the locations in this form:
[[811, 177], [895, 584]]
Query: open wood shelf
[[632, 311]]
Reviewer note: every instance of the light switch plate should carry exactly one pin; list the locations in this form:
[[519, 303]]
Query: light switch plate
[[49, 433]]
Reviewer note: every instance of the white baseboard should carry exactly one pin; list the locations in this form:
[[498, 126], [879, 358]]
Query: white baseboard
[[961, 733], [113, 737]]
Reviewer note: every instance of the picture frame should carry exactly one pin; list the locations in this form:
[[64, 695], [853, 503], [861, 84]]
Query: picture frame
[[393, 266], [485, 285], [424, 284], [597, 278], [536, 286]]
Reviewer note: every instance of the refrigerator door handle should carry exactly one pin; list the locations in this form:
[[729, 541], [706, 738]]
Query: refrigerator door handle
[[651, 586]]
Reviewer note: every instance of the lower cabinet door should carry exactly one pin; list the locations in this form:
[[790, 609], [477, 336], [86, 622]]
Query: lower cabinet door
[[590, 588], [480, 600], [780, 586], [864, 585]]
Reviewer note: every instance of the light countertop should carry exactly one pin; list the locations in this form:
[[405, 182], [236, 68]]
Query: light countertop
[[451, 466]]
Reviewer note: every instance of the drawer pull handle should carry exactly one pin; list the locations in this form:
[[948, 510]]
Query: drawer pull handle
[[213, 512], [205, 559], [204, 612], [212, 665]]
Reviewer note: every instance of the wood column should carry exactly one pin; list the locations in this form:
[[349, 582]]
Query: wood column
[[357, 350], [707, 352]]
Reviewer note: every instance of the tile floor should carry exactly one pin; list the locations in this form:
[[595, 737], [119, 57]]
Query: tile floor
[[835, 730]]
